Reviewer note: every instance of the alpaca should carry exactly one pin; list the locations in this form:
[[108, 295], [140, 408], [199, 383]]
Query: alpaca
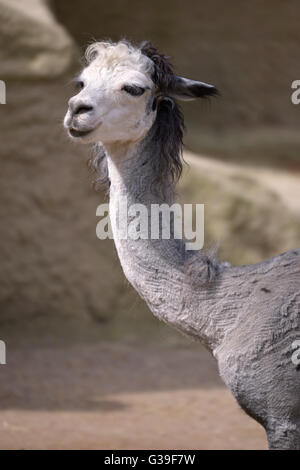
[[247, 316]]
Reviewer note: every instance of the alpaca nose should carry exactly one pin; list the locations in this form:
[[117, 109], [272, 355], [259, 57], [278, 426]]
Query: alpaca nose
[[79, 107]]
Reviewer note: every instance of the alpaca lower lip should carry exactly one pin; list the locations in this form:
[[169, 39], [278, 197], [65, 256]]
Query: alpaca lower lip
[[76, 133]]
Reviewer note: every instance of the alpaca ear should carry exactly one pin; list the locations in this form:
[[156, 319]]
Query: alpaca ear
[[186, 89]]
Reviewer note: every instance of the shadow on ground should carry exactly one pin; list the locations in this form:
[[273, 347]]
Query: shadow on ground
[[80, 377]]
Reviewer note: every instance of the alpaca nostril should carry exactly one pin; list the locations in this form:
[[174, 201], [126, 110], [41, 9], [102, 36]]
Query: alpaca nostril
[[82, 109]]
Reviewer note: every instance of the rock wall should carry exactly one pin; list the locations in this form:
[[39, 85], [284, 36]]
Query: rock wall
[[32, 43]]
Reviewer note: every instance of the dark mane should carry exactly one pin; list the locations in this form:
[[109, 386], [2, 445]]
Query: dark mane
[[166, 137], [167, 130], [163, 75]]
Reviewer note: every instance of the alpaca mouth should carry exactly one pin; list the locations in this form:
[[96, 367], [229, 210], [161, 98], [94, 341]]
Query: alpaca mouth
[[75, 133]]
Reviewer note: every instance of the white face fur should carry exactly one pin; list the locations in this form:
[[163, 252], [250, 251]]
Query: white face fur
[[114, 103]]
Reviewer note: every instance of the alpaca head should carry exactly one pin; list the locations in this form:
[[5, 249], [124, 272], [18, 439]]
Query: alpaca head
[[121, 92]]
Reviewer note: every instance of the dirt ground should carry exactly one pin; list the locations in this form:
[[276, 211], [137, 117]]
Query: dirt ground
[[119, 396]]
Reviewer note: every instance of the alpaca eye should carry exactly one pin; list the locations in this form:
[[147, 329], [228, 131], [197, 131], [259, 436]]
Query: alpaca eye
[[79, 85], [133, 90]]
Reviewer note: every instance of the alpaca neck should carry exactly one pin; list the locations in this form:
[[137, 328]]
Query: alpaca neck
[[155, 268]]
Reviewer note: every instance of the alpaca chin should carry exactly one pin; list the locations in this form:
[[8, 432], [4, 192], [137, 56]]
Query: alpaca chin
[[82, 136]]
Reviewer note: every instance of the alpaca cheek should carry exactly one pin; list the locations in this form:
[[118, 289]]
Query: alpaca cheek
[[137, 124], [142, 125]]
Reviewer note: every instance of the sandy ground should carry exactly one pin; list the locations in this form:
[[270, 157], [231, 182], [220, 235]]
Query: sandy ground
[[119, 396]]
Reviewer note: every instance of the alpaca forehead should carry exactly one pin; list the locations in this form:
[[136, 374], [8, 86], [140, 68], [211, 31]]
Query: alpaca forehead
[[115, 77], [119, 64]]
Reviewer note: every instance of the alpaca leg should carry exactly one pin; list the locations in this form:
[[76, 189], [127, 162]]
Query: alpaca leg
[[284, 435]]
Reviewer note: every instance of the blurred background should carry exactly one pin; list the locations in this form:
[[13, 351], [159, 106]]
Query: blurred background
[[87, 364]]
